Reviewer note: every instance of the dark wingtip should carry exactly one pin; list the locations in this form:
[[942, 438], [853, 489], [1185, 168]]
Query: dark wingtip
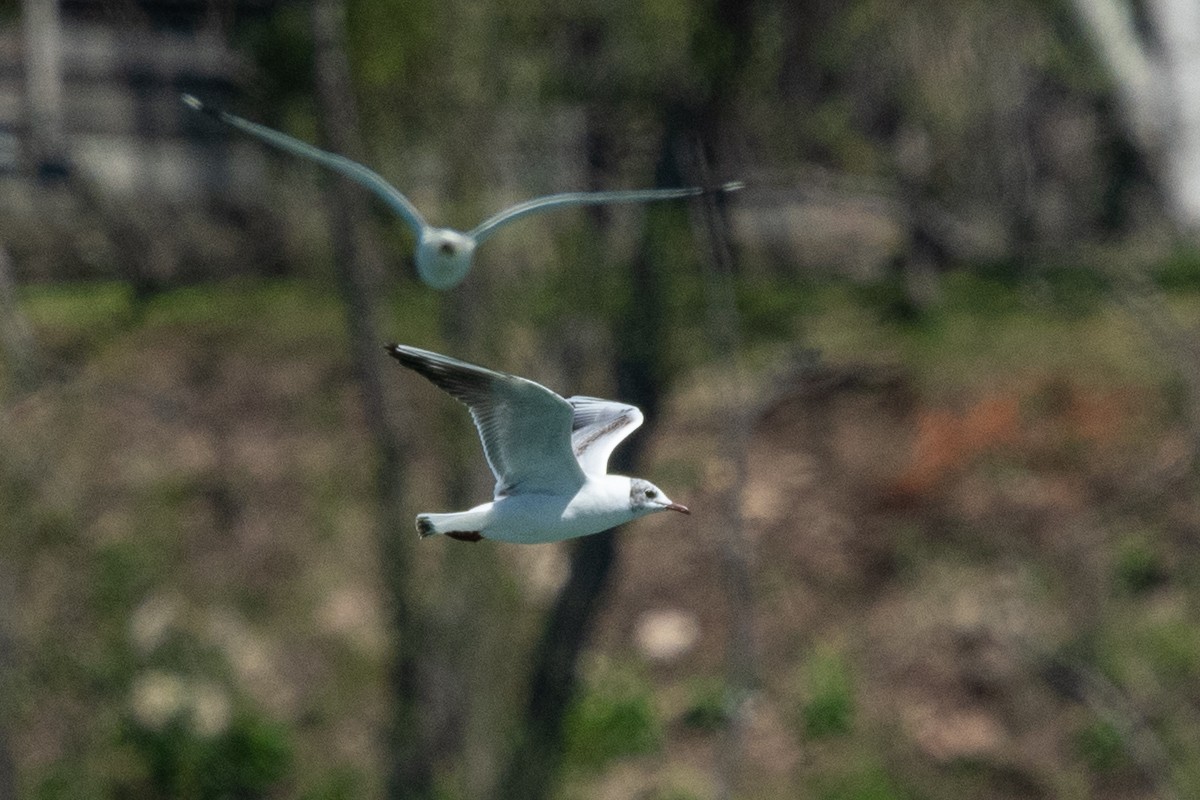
[[424, 527], [728, 187], [196, 104], [406, 357], [396, 351]]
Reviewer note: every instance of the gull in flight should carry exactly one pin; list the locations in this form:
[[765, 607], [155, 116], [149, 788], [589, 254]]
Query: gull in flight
[[443, 255], [549, 455]]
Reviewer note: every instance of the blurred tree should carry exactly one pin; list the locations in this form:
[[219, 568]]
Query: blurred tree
[[42, 27], [706, 124], [409, 770], [16, 340], [690, 110], [23, 364], [640, 378], [9, 691], [1152, 54]]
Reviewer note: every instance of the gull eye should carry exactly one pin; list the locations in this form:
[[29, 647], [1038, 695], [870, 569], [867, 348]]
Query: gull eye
[[651, 494], [446, 248]]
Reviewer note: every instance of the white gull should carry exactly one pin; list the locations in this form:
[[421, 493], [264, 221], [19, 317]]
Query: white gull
[[443, 254], [549, 456]]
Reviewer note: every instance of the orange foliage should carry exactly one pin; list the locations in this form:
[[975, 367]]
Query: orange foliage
[[948, 441]]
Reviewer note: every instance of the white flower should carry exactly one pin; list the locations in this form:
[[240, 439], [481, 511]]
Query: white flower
[[666, 634], [157, 698]]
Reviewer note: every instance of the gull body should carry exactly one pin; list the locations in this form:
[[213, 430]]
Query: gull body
[[443, 255], [549, 456], [599, 504]]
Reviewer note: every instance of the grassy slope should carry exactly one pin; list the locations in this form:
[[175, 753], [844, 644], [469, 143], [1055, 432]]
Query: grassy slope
[[193, 505], [190, 499]]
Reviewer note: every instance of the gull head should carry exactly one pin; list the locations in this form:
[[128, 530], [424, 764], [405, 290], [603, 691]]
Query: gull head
[[646, 498], [444, 257]]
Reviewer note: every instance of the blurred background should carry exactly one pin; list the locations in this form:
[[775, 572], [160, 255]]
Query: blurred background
[[929, 385]]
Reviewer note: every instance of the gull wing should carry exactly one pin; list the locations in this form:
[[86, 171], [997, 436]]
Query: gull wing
[[597, 427], [525, 427], [339, 164], [553, 201]]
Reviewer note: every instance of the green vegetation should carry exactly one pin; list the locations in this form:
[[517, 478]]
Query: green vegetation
[[971, 433], [107, 542], [132, 528], [829, 707], [1138, 567], [1101, 747], [860, 782], [613, 718], [247, 759], [708, 706], [125, 541]]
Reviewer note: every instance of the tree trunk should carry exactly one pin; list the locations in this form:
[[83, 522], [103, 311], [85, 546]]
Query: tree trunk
[[1178, 25], [733, 551], [9, 656], [702, 126], [1157, 83], [42, 28], [537, 758], [409, 770], [1110, 26], [16, 341]]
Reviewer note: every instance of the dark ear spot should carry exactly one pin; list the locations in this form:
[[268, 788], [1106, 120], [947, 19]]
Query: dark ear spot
[[446, 248]]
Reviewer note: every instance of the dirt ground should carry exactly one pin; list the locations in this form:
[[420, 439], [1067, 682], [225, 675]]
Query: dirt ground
[[979, 591], [954, 556]]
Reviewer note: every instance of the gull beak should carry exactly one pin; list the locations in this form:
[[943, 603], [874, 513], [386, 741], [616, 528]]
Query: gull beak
[[677, 507]]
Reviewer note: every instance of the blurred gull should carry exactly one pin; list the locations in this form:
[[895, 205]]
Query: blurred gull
[[443, 254], [549, 456]]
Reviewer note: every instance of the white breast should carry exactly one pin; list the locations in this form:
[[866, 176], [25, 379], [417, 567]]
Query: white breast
[[601, 503]]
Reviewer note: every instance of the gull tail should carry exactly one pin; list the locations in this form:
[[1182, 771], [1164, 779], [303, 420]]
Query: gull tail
[[425, 526], [462, 525]]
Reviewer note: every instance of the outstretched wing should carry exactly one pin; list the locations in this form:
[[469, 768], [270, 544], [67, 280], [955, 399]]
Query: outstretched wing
[[525, 427], [551, 202], [597, 427], [339, 164]]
